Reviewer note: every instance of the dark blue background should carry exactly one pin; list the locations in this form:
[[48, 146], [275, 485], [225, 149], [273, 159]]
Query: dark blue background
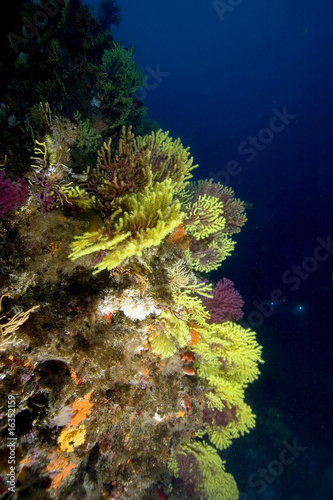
[[224, 78]]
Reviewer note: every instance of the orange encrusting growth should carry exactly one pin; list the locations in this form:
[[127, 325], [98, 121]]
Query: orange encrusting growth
[[177, 234], [80, 409], [64, 466], [74, 435], [54, 248], [74, 376], [107, 317], [194, 337]]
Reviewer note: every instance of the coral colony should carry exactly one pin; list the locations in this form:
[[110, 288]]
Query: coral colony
[[124, 365]]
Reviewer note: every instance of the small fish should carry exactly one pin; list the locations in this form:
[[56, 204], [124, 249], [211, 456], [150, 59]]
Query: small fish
[[188, 370]]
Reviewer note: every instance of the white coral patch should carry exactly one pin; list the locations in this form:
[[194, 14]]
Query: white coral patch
[[136, 307], [108, 305], [131, 303]]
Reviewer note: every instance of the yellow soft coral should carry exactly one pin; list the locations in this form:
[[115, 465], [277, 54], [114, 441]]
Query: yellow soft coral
[[229, 357], [77, 196], [216, 483], [207, 254], [238, 349], [168, 158], [142, 221], [174, 333], [204, 217]]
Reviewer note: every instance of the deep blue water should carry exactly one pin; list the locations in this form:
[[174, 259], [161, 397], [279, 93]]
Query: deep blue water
[[250, 91]]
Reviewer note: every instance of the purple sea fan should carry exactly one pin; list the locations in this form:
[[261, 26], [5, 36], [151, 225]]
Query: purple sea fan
[[12, 195], [189, 472], [215, 417], [226, 303], [233, 208]]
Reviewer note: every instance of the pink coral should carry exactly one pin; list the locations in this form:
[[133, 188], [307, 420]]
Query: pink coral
[[226, 303], [12, 195]]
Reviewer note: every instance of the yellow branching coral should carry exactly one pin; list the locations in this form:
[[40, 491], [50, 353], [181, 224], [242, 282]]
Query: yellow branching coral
[[162, 345], [77, 196], [95, 242], [173, 333], [204, 217], [47, 163], [229, 357], [41, 156], [233, 208], [168, 158], [220, 431], [194, 309], [53, 152], [207, 254], [214, 483], [143, 220], [137, 163], [175, 328], [238, 349], [135, 187], [182, 278], [212, 216]]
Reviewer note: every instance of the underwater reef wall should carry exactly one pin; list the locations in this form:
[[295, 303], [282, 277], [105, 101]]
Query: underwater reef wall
[[123, 370]]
